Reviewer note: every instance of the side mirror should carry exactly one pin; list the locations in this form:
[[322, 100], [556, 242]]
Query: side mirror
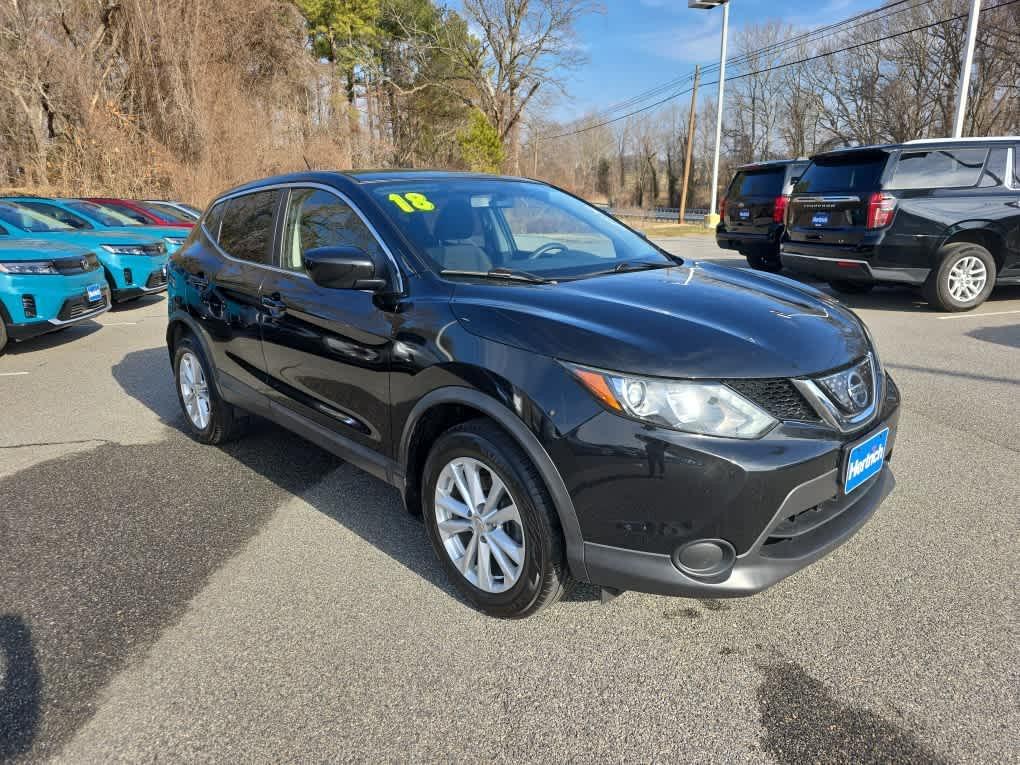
[[343, 268]]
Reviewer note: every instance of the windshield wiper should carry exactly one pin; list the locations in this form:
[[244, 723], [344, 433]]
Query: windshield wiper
[[500, 273]]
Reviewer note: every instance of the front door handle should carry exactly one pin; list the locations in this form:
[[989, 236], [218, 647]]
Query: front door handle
[[1014, 203], [276, 308]]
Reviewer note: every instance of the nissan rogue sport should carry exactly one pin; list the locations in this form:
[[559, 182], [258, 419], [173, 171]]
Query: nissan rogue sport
[[557, 397]]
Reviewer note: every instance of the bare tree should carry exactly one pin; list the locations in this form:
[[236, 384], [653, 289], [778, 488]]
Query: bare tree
[[523, 45]]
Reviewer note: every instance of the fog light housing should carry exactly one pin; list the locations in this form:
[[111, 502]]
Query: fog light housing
[[128, 276], [707, 560], [28, 306]]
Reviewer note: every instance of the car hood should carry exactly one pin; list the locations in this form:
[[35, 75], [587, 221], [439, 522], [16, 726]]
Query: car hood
[[38, 249], [158, 231], [697, 321], [94, 239]]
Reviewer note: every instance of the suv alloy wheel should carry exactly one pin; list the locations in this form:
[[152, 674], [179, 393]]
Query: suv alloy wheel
[[492, 523], [964, 278]]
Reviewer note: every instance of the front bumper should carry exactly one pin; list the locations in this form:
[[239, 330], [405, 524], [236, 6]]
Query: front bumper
[[74, 311], [643, 494], [773, 557], [131, 276]]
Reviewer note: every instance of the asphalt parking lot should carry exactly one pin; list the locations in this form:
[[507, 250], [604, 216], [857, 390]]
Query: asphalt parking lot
[[264, 601]]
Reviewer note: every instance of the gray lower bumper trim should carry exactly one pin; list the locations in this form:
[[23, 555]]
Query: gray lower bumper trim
[[753, 571], [816, 264]]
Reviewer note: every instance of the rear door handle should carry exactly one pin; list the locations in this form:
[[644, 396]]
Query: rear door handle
[[276, 308]]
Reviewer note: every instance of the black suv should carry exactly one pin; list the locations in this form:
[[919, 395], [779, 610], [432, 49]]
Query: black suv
[[559, 398], [940, 214], [751, 213]]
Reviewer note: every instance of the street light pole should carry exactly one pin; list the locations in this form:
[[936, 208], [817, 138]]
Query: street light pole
[[968, 61], [713, 215]]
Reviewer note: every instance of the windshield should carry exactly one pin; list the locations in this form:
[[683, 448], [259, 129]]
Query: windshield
[[480, 224], [166, 212], [104, 215], [21, 217], [852, 172]]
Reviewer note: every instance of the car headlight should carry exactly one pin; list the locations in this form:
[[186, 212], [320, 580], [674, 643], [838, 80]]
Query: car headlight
[[707, 408], [124, 249], [174, 241], [35, 267]]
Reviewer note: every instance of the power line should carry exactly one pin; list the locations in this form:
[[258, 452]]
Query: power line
[[783, 65]]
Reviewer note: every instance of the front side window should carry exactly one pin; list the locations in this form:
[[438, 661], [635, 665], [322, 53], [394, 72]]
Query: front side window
[[317, 218], [59, 213], [247, 227], [938, 169], [21, 217], [478, 225]]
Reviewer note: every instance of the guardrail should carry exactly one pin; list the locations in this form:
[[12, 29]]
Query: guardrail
[[670, 214]]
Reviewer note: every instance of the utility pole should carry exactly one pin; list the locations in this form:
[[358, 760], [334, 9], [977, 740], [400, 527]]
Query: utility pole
[[968, 61], [690, 145]]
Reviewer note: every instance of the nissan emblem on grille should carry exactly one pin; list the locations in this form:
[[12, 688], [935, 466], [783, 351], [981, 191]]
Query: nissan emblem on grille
[[857, 389]]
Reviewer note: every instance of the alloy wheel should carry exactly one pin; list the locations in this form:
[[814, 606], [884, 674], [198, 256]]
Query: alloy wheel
[[967, 279], [194, 390], [479, 524]]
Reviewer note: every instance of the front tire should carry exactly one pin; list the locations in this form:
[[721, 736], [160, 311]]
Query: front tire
[[851, 288], [964, 279], [492, 523], [211, 420], [4, 339]]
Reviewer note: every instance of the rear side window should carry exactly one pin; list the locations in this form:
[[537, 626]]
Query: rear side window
[[247, 228], [757, 183], [212, 220], [844, 174], [938, 169]]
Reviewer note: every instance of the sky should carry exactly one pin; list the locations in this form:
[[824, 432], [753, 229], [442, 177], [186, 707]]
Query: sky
[[638, 44]]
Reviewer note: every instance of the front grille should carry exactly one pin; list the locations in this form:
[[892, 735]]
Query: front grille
[[156, 279], [80, 305], [83, 265], [778, 397], [28, 306]]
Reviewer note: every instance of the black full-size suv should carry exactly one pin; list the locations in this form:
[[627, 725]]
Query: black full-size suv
[[560, 399], [753, 210], [943, 215]]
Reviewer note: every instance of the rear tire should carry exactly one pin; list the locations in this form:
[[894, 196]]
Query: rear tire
[[851, 288], [210, 419], [764, 260], [964, 279], [527, 527]]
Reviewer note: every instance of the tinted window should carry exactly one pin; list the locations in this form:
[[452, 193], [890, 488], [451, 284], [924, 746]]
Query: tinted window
[[60, 214], [125, 210], [995, 170], [29, 220], [212, 220], [938, 168], [757, 183], [316, 218], [853, 173], [105, 215], [247, 228], [166, 212]]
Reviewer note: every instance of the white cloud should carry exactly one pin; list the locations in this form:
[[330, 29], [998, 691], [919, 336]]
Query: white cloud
[[693, 42]]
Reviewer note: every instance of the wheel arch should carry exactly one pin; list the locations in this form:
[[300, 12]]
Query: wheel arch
[[978, 233], [180, 325], [426, 420]]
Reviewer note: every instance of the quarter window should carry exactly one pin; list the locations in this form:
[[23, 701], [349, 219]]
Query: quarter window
[[938, 169], [316, 218], [212, 220], [247, 227]]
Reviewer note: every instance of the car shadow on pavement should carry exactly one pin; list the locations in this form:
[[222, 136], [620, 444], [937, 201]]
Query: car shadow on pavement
[[20, 689], [54, 339], [139, 302], [1008, 336], [372, 509]]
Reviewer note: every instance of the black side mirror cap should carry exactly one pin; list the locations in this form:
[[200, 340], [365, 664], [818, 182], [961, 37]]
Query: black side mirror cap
[[343, 268]]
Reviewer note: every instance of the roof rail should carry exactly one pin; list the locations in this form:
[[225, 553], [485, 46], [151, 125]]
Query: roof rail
[[969, 139]]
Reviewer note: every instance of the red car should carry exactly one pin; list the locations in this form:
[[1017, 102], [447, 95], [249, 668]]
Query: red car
[[145, 213]]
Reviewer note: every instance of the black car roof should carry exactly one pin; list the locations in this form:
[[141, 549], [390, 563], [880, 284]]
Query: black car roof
[[920, 143], [772, 163], [345, 178]]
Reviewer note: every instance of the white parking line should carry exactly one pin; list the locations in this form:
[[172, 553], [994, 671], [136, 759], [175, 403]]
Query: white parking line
[[118, 323], [976, 315], [12, 374]]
